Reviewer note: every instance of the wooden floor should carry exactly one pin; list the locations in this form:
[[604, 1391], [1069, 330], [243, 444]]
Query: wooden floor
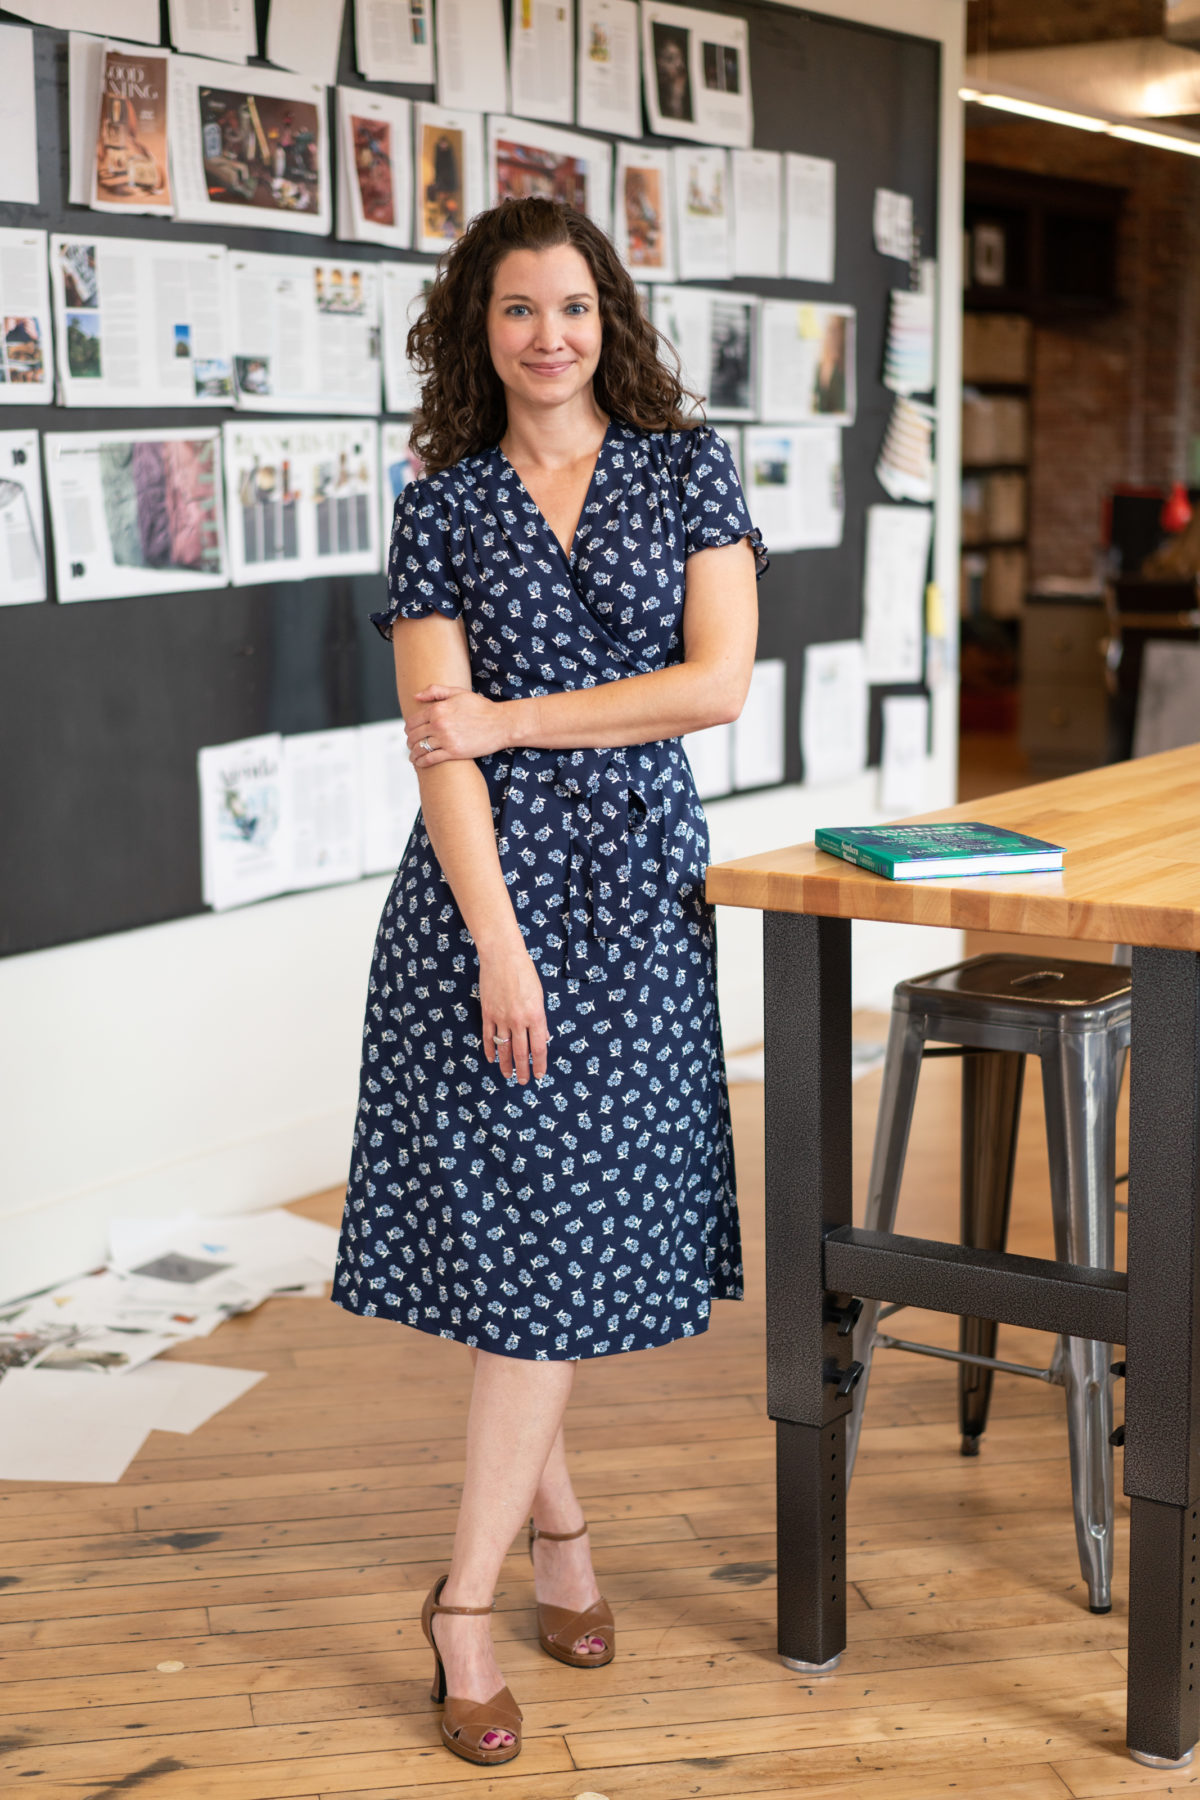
[[238, 1618]]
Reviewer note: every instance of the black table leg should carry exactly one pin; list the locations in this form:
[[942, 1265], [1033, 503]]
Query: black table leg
[[808, 1192], [1162, 1400]]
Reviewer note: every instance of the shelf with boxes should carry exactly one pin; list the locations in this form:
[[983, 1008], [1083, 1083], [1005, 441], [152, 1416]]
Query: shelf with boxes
[[995, 457]]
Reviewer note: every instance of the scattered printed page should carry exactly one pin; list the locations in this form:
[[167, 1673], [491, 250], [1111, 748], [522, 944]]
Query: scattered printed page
[[644, 217], [302, 497], [757, 218], [713, 331], [893, 224], [758, 733], [563, 165], [249, 147], [321, 777], [794, 485], [244, 835], [135, 512], [897, 567], [22, 545], [306, 35], [65, 1425], [702, 214], [305, 333], [25, 317], [374, 198], [810, 229], [224, 29], [130, 172], [18, 117], [200, 1390], [808, 362], [472, 62], [390, 795], [394, 41], [696, 69], [904, 758], [609, 92], [541, 54], [710, 753], [141, 321], [404, 287], [136, 19], [834, 712], [449, 175]]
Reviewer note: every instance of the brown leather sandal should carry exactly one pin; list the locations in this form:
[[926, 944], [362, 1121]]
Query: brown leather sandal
[[559, 1630], [465, 1723]]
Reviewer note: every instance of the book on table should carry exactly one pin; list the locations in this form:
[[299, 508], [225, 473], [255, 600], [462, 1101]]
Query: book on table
[[915, 852]]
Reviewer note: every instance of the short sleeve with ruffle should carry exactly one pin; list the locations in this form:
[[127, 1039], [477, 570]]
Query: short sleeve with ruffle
[[714, 507], [420, 573]]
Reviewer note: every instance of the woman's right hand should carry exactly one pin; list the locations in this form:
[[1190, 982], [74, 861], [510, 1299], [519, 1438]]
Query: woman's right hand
[[510, 997]]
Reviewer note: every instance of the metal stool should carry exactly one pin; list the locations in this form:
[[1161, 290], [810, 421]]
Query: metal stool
[[998, 1010]]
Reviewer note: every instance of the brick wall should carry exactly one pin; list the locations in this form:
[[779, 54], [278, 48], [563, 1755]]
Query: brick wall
[[1114, 398]]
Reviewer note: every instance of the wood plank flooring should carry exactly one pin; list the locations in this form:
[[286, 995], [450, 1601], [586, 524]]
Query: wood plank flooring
[[238, 1618]]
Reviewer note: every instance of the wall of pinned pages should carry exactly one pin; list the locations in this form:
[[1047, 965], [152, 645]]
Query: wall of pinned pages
[[204, 306]]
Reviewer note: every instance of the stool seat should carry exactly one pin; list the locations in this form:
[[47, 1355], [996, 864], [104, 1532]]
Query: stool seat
[[996, 1010]]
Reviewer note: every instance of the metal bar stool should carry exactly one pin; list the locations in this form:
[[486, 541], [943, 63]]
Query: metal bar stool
[[994, 1011]]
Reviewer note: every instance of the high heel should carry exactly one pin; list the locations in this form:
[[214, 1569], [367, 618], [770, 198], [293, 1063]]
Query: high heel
[[559, 1630], [465, 1723]]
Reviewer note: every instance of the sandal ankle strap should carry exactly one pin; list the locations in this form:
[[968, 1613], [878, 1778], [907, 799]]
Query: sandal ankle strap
[[556, 1537]]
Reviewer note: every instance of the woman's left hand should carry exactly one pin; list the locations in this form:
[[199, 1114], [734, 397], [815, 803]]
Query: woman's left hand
[[459, 723]]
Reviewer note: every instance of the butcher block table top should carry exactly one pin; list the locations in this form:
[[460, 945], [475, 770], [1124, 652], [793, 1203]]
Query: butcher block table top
[[1131, 873]]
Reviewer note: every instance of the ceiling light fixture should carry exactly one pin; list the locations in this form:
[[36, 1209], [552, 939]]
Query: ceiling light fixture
[[1186, 144]]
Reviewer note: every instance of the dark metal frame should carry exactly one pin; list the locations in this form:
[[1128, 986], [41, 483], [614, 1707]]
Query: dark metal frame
[[817, 1263]]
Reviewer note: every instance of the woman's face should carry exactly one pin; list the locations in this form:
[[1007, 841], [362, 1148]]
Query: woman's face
[[543, 325]]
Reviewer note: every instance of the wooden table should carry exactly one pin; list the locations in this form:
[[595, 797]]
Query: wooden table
[[1132, 875]]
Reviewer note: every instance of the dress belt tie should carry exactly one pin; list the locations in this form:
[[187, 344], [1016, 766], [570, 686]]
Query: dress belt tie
[[581, 837]]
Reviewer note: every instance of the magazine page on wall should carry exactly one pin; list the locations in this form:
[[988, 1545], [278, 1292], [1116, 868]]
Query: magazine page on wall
[[249, 147], [26, 372], [394, 41], [22, 549], [399, 464], [541, 56], [696, 70], [643, 218], [808, 363], [794, 484], [404, 289], [702, 213], [472, 58], [525, 159], [609, 88], [245, 844], [141, 322], [130, 165], [374, 197], [136, 512], [448, 158], [305, 333], [302, 498], [757, 185], [225, 29], [715, 334], [116, 18]]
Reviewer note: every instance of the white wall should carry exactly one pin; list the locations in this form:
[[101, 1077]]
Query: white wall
[[213, 1062]]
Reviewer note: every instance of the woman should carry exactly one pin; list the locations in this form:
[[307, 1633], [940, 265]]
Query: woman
[[543, 1167]]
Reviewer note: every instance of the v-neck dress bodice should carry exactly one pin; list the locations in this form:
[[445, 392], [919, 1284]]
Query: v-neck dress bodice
[[594, 1211]]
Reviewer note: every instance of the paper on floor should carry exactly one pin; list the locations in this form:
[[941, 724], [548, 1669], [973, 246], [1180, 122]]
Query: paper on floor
[[56, 1426], [200, 1390]]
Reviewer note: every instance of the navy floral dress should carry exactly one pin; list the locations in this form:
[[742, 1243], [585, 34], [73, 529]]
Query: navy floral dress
[[594, 1211]]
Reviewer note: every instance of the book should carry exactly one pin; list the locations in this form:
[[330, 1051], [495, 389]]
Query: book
[[914, 852]]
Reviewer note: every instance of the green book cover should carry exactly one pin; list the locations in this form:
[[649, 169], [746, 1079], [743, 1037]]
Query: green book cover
[[911, 852]]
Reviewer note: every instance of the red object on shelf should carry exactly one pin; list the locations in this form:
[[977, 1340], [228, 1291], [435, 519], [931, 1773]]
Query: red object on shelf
[[1177, 512]]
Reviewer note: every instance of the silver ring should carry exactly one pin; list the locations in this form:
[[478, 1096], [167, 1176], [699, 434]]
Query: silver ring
[[499, 1040], [425, 744]]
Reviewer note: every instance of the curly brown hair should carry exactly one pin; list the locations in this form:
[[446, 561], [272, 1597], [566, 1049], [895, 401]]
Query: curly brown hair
[[462, 408]]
